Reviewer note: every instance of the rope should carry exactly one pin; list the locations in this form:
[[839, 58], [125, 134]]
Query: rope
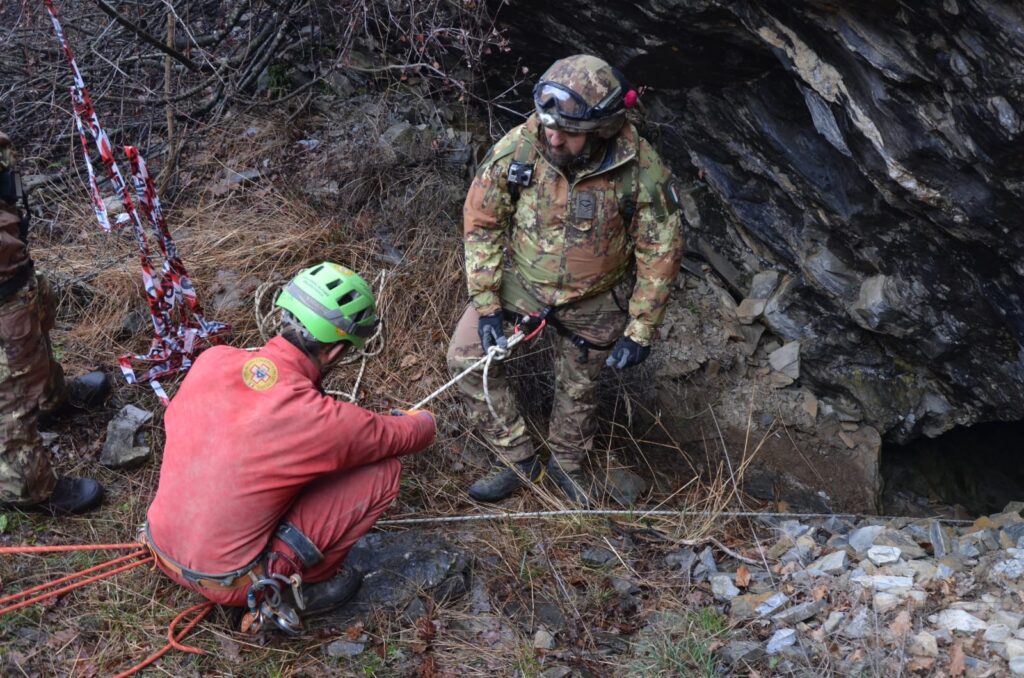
[[638, 514], [49, 584], [77, 585], [66, 548], [493, 353], [173, 640]]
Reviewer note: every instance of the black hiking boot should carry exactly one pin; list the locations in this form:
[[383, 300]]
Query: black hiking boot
[[326, 595], [81, 394], [70, 495], [502, 480], [577, 485], [88, 391]]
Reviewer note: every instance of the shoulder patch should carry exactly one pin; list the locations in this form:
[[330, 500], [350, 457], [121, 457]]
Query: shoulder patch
[[259, 374]]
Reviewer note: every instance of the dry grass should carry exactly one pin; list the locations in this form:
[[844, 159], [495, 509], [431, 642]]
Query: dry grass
[[402, 215]]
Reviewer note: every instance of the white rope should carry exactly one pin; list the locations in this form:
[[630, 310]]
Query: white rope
[[493, 353], [269, 324], [640, 514]]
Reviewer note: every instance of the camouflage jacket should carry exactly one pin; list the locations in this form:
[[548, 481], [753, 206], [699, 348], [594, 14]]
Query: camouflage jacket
[[568, 241], [14, 259]]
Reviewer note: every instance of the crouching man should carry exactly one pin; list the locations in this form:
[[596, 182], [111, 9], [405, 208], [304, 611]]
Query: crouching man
[[264, 477]]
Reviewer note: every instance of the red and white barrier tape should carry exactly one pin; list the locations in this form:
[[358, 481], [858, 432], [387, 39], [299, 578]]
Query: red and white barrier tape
[[178, 321]]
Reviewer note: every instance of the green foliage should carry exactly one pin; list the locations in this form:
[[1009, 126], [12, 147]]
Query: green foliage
[[277, 80], [682, 647]]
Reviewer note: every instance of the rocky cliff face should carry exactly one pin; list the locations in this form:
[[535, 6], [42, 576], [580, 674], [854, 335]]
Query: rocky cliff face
[[867, 156]]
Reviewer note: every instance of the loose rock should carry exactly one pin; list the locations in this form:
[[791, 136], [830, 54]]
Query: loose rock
[[782, 638], [958, 620], [126, 446]]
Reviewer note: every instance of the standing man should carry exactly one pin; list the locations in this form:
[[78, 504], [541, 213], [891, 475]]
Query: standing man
[[31, 381], [572, 213], [265, 477]]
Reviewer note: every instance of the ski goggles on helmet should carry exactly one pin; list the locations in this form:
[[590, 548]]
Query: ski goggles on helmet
[[555, 101]]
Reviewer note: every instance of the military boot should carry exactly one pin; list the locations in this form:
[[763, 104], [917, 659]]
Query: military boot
[[577, 485], [70, 495], [89, 390], [336, 591], [81, 394], [503, 479]]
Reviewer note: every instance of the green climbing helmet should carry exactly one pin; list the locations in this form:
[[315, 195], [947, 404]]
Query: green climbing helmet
[[333, 303]]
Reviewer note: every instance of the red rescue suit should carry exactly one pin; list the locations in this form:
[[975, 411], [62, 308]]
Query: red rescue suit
[[252, 442]]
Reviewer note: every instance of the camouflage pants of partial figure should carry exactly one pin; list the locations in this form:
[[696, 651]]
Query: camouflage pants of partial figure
[[599, 320], [31, 383]]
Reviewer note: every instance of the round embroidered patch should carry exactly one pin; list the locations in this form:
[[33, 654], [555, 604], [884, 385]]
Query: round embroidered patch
[[259, 374]]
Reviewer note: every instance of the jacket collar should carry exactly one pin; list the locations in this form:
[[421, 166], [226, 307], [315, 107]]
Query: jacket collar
[[286, 356], [621, 148]]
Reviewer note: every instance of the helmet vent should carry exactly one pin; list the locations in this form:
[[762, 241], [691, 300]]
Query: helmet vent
[[334, 283], [347, 297], [317, 269]]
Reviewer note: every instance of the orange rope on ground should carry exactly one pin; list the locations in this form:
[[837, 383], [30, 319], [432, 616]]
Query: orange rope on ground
[[55, 582], [174, 641], [174, 622], [67, 547], [76, 585]]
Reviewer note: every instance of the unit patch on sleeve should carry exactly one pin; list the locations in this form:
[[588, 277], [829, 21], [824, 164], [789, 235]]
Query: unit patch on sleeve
[[259, 374]]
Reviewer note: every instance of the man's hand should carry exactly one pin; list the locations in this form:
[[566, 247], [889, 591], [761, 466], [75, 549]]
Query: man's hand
[[491, 332], [627, 353], [414, 413]]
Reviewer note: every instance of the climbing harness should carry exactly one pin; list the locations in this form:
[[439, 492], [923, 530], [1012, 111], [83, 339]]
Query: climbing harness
[[179, 325]]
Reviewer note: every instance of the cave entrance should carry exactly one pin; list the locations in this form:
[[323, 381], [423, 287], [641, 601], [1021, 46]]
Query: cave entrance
[[969, 471]]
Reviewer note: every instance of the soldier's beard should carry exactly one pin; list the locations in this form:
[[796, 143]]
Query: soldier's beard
[[562, 158]]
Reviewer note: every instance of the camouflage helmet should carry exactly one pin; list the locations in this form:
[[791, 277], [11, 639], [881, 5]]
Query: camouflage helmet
[[581, 94]]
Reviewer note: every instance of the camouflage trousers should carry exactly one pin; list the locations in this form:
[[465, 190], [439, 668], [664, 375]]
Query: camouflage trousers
[[599, 320], [31, 383]]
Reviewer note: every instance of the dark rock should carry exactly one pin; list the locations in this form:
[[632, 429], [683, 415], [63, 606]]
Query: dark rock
[[682, 560], [624, 486], [614, 643], [541, 612], [400, 565], [801, 128], [740, 652], [596, 556]]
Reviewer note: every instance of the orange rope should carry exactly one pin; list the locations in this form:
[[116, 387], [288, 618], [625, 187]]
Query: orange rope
[[170, 629], [68, 547], [50, 584], [72, 587], [174, 640]]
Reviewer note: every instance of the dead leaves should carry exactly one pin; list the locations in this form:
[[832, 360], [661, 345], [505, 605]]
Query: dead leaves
[[415, 363], [742, 576], [921, 665], [957, 661], [901, 626]]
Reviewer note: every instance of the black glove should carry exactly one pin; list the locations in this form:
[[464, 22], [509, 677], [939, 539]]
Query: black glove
[[491, 332], [627, 353]]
